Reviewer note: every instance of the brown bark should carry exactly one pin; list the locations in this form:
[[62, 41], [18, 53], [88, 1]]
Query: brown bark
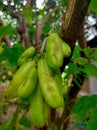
[[73, 20], [71, 31], [23, 33], [81, 37]]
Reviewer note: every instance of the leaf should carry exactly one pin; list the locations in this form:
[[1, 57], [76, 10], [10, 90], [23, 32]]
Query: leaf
[[71, 68], [18, 49], [6, 30], [92, 123], [93, 6], [88, 51], [25, 121], [2, 57], [78, 105], [89, 104], [95, 54], [46, 28], [76, 52], [2, 127], [81, 60], [85, 106], [10, 55], [91, 70], [1, 49]]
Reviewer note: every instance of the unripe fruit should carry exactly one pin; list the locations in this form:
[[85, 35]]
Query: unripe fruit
[[18, 79], [28, 53], [49, 84], [39, 109], [54, 51]]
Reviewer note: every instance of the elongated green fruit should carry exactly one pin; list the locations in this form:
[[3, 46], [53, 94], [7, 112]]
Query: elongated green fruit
[[28, 86], [39, 109], [49, 84], [54, 51], [66, 49], [59, 80], [25, 55], [19, 77]]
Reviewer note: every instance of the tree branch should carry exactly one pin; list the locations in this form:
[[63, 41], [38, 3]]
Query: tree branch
[[23, 27], [71, 31], [73, 20]]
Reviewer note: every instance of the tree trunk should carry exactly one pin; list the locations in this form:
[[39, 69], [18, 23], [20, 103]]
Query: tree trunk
[[71, 31]]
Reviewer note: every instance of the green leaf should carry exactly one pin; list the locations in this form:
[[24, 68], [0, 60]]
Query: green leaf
[[79, 105], [46, 28], [91, 70], [92, 123], [1, 49], [18, 49], [93, 6], [81, 60], [95, 53], [2, 127], [2, 57], [6, 30], [10, 55], [85, 107], [88, 106], [76, 52], [88, 51], [91, 102], [71, 68], [25, 121]]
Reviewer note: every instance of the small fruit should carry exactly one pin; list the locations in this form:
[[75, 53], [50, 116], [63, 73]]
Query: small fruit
[[28, 53], [39, 109], [54, 51], [27, 87], [66, 49], [49, 84], [18, 79]]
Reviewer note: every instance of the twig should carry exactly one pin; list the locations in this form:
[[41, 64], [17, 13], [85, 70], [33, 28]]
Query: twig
[[53, 26]]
